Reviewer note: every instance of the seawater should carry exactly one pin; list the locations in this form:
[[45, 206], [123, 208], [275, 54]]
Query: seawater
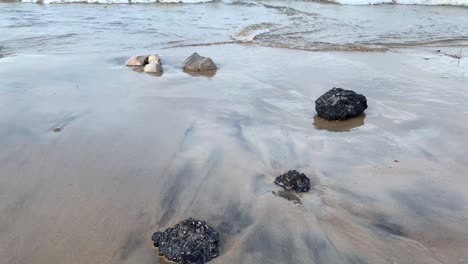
[[315, 26]]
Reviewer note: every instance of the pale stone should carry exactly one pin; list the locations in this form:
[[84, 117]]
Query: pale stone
[[153, 67], [137, 61], [154, 57]]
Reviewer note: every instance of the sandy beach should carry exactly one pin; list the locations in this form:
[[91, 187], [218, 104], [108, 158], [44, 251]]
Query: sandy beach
[[95, 156], [136, 153]]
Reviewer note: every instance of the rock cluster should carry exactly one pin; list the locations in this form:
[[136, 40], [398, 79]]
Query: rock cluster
[[340, 104], [188, 242], [294, 180], [151, 63], [194, 63]]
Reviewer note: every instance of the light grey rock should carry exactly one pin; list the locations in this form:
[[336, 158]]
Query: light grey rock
[[137, 61], [153, 67], [199, 63], [154, 57]]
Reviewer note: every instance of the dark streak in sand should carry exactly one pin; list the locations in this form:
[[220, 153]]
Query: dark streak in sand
[[352, 195], [176, 180], [324, 252], [210, 166], [262, 241], [425, 200], [14, 209], [237, 122], [235, 219], [383, 223], [170, 201], [135, 239]]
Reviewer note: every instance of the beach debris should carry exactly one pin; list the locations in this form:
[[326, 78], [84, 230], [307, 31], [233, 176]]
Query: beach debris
[[452, 55], [455, 56], [196, 62], [340, 104], [294, 180], [141, 60], [188, 242], [153, 67]]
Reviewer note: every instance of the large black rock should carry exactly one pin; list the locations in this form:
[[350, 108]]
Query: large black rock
[[294, 180], [189, 242], [340, 104]]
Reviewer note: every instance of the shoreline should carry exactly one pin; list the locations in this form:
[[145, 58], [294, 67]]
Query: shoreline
[[197, 2]]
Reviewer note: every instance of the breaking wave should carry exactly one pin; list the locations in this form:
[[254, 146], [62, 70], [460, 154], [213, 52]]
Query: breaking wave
[[311, 32], [249, 33]]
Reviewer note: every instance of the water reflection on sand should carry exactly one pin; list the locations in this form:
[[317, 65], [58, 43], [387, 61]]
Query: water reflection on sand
[[339, 126], [138, 154]]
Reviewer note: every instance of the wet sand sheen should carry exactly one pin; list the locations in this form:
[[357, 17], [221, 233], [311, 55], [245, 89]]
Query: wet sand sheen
[[136, 153]]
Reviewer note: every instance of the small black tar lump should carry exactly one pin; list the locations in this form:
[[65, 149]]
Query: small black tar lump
[[294, 180]]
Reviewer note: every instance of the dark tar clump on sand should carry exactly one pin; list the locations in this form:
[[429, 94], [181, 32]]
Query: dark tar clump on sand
[[189, 242], [340, 104], [294, 180]]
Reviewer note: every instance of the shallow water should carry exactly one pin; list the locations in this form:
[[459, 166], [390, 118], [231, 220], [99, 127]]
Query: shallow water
[[86, 28], [95, 156]]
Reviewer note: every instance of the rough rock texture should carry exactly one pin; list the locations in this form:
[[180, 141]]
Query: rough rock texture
[[153, 67], [137, 61], [189, 242], [294, 180], [199, 63], [340, 104], [154, 57]]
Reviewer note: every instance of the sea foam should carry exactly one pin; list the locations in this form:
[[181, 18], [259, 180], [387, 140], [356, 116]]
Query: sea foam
[[403, 2]]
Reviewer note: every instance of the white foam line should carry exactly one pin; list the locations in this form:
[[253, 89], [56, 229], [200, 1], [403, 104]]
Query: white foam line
[[404, 2]]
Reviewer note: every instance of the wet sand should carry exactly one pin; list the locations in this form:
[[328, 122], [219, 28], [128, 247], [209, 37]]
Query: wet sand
[[95, 157]]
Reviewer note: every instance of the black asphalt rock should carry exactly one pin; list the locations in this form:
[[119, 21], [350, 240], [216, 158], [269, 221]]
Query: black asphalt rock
[[340, 104], [294, 180], [189, 242]]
